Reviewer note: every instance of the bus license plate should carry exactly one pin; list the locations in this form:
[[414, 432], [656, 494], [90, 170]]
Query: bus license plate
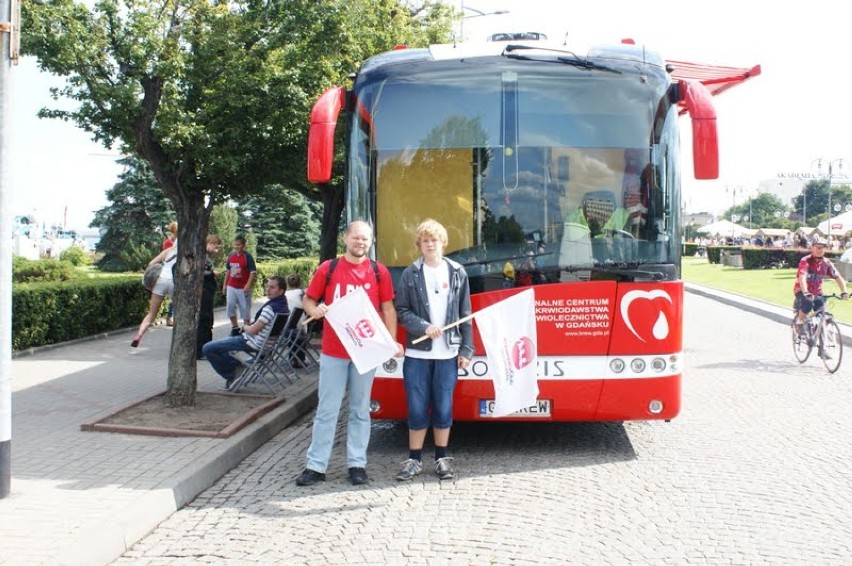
[[541, 408]]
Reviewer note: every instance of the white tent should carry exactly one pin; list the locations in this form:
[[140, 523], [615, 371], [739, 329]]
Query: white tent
[[725, 229], [840, 224]]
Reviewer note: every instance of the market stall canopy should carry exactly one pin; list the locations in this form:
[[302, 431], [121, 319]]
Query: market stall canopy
[[840, 224], [726, 229]]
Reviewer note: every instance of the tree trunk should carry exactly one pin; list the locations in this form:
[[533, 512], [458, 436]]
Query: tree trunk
[[332, 207], [193, 219]]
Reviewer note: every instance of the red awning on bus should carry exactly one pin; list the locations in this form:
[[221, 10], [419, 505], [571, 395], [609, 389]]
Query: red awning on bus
[[715, 78]]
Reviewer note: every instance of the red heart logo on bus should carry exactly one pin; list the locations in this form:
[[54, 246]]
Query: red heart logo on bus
[[650, 317]]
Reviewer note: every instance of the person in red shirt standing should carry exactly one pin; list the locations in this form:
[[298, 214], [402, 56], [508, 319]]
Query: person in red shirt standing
[[332, 280], [240, 272]]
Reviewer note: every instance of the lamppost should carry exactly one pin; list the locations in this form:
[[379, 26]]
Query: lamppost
[[476, 14], [830, 164]]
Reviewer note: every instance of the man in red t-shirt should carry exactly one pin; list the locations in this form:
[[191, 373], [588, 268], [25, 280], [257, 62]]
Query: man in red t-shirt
[[240, 272], [337, 372]]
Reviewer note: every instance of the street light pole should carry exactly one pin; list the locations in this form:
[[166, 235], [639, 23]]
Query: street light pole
[[830, 163]]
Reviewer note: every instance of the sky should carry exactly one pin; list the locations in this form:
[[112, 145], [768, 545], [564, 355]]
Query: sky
[[798, 110]]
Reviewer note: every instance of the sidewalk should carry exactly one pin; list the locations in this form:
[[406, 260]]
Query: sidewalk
[[84, 497]]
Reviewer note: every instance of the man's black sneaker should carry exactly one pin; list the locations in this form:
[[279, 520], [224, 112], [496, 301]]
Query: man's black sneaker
[[309, 477], [235, 331], [357, 476]]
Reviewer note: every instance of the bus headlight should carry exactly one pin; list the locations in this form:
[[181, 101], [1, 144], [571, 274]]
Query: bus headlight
[[616, 365], [655, 407], [658, 364], [637, 365], [375, 407]]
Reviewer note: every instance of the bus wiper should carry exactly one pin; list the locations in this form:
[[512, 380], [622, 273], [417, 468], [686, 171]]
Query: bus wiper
[[587, 64], [573, 59], [614, 270]]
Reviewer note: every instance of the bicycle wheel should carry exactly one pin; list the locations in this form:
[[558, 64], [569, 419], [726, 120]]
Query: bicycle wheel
[[831, 346], [801, 347]]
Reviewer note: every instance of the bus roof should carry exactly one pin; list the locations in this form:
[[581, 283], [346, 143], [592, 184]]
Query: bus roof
[[717, 79]]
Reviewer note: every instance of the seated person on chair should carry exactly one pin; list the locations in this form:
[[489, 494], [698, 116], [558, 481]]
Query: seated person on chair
[[251, 337]]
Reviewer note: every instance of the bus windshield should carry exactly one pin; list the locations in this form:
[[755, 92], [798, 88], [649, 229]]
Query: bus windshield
[[533, 167]]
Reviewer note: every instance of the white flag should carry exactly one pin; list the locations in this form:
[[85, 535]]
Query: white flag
[[361, 330], [507, 329]]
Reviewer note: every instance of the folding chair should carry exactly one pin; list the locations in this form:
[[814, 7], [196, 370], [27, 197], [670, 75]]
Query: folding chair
[[261, 365], [281, 355], [302, 354]]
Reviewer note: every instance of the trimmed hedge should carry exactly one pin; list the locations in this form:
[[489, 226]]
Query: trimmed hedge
[[51, 312], [766, 258]]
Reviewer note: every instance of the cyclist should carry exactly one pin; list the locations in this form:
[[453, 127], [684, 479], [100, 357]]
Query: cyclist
[[808, 287]]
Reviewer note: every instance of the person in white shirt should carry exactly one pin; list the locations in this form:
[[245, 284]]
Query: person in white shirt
[[433, 293]]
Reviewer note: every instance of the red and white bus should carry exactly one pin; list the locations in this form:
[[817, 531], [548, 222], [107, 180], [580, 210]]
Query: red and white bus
[[550, 169]]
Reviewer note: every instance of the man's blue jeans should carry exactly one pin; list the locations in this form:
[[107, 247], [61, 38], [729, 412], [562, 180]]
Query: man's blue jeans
[[336, 375], [218, 353]]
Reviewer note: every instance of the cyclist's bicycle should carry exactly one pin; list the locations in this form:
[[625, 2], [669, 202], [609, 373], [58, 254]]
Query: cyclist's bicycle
[[821, 331]]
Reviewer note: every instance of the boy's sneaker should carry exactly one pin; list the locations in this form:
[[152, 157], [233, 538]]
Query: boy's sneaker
[[235, 331], [410, 468], [309, 477], [443, 468]]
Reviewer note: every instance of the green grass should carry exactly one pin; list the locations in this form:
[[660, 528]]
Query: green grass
[[774, 286]]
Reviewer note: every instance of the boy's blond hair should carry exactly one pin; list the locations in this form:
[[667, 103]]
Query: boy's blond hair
[[430, 228]]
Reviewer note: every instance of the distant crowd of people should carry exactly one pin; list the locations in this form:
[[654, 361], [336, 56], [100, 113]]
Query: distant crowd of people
[[791, 240]]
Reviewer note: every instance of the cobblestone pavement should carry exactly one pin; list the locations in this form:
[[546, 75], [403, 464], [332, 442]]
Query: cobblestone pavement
[[754, 470]]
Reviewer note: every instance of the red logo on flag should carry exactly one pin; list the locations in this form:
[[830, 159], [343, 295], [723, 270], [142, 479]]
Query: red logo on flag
[[523, 353], [365, 329]]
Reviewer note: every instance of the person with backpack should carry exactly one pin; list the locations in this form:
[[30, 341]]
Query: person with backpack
[[337, 374], [164, 287]]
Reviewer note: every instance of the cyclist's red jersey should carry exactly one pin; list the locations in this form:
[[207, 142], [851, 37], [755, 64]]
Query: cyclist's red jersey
[[816, 269]]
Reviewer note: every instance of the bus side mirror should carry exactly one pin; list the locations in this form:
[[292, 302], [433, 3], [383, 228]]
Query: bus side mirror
[[321, 134], [705, 140]]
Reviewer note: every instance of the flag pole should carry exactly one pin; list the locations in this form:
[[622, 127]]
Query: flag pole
[[447, 327]]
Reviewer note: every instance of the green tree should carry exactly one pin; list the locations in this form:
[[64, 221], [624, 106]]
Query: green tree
[[213, 95], [815, 195], [223, 223], [134, 225], [760, 211], [286, 224]]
